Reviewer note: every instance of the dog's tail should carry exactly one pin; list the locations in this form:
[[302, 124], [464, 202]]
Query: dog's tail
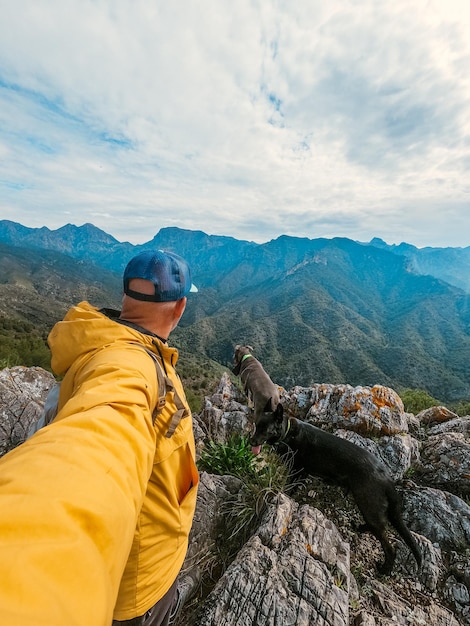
[[396, 519]]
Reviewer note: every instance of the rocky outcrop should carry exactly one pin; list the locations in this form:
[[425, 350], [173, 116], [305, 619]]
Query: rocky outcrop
[[367, 410], [436, 415], [22, 394], [440, 516], [389, 608], [304, 561], [307, 564], [445, 462], [293, 570]]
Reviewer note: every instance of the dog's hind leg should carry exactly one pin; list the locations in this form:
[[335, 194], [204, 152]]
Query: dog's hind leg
[[388, 549], [374, 508], [396, 520]]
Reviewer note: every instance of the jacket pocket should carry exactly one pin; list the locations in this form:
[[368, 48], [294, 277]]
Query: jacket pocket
[[188, 505]]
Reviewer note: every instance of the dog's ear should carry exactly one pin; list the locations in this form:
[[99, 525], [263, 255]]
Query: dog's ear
[[269, 407], [237, 360], [278, 414]]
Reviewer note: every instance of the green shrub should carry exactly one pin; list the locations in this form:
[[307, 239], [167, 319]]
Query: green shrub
[[21, 343], [462, 407], [417, 400]]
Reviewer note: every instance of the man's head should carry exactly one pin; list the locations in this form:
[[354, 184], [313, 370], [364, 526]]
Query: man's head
[[155, 287], [168, 273]]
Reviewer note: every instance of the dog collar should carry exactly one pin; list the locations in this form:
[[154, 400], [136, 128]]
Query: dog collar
[[246, 356], [287, 430]]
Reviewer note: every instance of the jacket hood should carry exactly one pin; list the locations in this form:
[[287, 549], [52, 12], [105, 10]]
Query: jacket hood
[[85, 329]]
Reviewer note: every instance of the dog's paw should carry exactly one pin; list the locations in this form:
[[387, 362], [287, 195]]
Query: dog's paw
[[384, 570]]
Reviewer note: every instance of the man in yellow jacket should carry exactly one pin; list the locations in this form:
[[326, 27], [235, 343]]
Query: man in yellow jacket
[[96, 508]]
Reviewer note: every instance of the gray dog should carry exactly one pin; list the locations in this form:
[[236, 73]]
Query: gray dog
[[262, 393], [342, 462]]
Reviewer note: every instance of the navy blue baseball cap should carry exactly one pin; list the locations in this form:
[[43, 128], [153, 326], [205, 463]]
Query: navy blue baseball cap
[[168, 272]]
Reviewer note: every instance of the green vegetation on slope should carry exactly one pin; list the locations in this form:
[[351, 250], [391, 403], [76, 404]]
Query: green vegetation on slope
[[21, 343], [314, 311]]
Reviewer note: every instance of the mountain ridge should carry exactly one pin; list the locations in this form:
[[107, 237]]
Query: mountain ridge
[[329, 310], [449, 264]]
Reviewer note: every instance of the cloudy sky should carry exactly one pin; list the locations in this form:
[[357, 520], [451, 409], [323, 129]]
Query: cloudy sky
[[247, 118]]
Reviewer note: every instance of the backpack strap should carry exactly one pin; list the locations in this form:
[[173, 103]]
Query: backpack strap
[[180, 413], [165, 385], [163, 381]]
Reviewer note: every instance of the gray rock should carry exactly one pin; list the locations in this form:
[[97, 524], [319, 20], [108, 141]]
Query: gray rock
[[398, 452], [294, 570], [414, 425], [223, 415], [396, 611], [435, 415], [445, 463], [366, 410], [440, 516], [432, 570], [22, 394], [457, 425], [457, 592], [458, 595]]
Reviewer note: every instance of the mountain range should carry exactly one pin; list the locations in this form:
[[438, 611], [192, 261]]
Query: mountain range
[[314, 310]]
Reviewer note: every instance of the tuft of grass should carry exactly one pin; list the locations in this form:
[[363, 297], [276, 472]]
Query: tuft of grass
[[269, 478], [262, 478], [233, 457]]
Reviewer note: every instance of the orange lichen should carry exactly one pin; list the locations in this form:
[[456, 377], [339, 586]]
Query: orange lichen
[[351, 409], [380, 398]]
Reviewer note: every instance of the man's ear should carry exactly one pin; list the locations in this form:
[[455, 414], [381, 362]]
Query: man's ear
[[180, 307]]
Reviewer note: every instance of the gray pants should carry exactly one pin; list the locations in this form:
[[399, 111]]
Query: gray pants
[[160, 614]]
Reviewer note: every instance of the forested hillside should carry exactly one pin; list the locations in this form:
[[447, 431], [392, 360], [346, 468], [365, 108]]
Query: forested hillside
[[321, 310]]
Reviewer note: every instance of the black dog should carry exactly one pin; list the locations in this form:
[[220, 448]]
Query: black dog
[[348, 465], [262, 393]]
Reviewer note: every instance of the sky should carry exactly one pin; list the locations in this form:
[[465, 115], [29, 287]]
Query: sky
[[247, 118]]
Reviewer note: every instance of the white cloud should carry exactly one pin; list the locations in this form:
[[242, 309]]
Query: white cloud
[[246, 119]]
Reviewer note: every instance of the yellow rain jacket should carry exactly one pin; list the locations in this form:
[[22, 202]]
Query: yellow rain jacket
[[96, 508]]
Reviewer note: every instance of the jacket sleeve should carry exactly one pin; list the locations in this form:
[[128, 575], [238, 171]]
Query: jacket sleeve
[[70, 496]]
